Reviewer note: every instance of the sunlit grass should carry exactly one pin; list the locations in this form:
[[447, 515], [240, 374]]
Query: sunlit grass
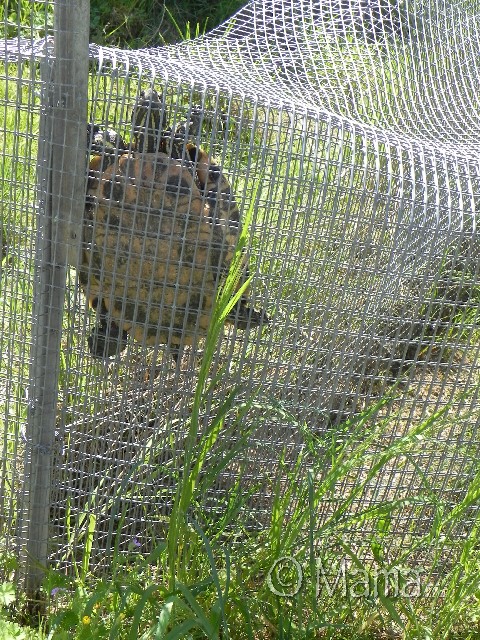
[[27, 19], [302, 576], [208, 574]]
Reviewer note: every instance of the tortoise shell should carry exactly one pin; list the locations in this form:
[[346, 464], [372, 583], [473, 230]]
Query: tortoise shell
[[160, 233]]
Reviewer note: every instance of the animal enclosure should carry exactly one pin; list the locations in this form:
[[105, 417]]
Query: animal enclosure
[[344, 138]]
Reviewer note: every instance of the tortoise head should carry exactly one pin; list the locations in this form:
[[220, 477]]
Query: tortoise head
[[147, 121], [104, 141]]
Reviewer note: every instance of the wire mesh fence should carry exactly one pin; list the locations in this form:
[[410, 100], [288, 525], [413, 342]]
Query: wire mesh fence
[[344, 135]]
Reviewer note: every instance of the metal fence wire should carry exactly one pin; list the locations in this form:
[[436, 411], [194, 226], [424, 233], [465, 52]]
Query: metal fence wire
[[345, 133]]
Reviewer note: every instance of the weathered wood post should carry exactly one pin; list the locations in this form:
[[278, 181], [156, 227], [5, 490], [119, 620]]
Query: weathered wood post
[[61, 191]]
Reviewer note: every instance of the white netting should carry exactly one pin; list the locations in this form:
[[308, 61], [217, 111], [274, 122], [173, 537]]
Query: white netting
[[349, 128]]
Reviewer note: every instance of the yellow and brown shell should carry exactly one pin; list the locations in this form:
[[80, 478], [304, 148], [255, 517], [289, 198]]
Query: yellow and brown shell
[[159, 235]]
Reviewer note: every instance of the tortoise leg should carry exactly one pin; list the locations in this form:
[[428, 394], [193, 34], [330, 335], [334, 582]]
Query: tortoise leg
[[176, 351], [106, 340]]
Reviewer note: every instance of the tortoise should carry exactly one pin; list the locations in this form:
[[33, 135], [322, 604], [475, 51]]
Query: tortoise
[[160, 231]]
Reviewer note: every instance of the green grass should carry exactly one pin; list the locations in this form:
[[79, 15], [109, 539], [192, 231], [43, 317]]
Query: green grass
[[124, 23], [202, 581], [411, 563]]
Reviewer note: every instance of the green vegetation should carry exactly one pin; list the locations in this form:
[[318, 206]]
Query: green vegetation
[[123, 23], [335, 555], [300, 577], [141, 23]]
